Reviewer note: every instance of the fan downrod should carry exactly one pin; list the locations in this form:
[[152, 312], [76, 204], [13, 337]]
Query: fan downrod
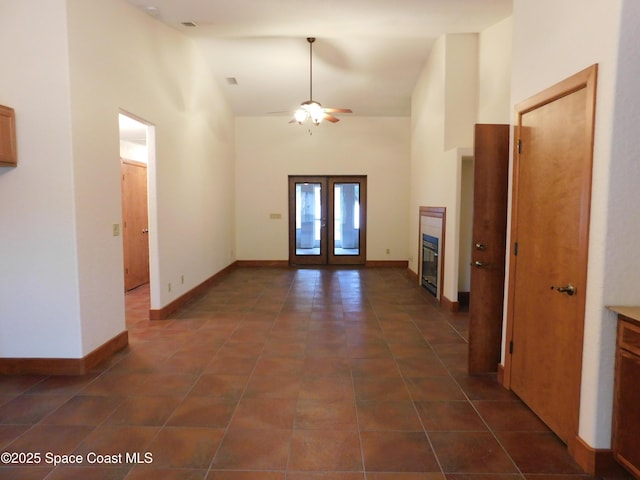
[[312, 109]]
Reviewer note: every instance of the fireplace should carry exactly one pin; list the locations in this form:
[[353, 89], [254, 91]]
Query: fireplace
[[430, 263]]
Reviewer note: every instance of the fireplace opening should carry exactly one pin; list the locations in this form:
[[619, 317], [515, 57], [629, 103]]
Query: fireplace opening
[[430, 263]]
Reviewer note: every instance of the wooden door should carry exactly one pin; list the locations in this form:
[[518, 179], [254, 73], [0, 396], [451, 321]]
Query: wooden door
[[135, 230], [327, 220], [552, 191], [490, 185]]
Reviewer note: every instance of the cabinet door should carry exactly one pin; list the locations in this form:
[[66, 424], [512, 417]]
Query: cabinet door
[[8, 156], [626, 421]]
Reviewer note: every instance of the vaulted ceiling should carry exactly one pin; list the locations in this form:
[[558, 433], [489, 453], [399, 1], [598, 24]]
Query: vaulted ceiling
[[367, 56]]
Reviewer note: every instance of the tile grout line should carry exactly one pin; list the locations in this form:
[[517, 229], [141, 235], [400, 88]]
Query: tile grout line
[[468, 400], [242, 394], [413, 404], [355, 405]]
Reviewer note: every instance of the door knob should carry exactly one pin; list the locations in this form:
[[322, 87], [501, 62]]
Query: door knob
[[480, 246], [145, 230], [569, 289], [479, 264]]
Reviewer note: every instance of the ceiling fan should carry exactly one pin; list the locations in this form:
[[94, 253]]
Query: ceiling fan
[[312, 110]]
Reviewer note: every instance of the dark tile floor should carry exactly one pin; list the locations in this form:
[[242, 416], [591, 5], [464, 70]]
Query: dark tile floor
[[283, 374]]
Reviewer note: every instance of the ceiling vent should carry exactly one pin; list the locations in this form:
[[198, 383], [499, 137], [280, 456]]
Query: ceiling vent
[[151, 10]]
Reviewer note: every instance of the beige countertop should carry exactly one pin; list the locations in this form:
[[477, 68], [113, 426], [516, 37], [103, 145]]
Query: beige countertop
[[630, 312]]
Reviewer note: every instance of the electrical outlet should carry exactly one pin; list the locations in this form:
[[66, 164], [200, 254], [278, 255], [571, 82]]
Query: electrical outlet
[[388, 251], [116, 229], [169, 287]]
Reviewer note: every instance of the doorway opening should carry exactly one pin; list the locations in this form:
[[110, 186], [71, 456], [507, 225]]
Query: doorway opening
[[327, 220], [136, 163], [465, 226]]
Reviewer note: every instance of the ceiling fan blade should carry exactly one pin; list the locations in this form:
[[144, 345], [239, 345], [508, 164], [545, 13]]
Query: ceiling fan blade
[[331, 118], [338, 110]]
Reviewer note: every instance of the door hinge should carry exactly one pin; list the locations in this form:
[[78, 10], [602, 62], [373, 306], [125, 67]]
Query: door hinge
[[515, 249], [519, 146], [511, 347]]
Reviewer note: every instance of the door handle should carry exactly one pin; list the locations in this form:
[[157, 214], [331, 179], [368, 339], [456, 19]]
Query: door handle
[[480, 246], [145, 230], [479, 264], [569, 289]]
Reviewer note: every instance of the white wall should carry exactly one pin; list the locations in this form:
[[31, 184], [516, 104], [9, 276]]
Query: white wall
[[68, 70], [443, 107], [122, 58], [466, 224], [268, 149], [547, 49], [622, 266], [494, 73], [38, 264], [461, 92], [134, 151], [466, 80], [622, 269], [494, 106]]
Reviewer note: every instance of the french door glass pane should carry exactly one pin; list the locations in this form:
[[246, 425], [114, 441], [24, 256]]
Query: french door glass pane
[[346, 216], [308, 218]]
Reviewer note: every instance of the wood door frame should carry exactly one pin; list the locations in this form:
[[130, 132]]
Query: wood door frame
[[586, 79]]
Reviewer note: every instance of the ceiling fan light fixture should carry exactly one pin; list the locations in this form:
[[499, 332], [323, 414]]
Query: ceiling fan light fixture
[[300, 115], [316, 112], [311, 109]]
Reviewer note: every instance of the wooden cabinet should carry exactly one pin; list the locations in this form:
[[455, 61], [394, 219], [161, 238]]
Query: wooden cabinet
[[626, 408], [8, 155]]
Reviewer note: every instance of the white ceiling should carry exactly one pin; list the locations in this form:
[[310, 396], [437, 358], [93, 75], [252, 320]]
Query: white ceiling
[[131, 130], [367, 56]]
